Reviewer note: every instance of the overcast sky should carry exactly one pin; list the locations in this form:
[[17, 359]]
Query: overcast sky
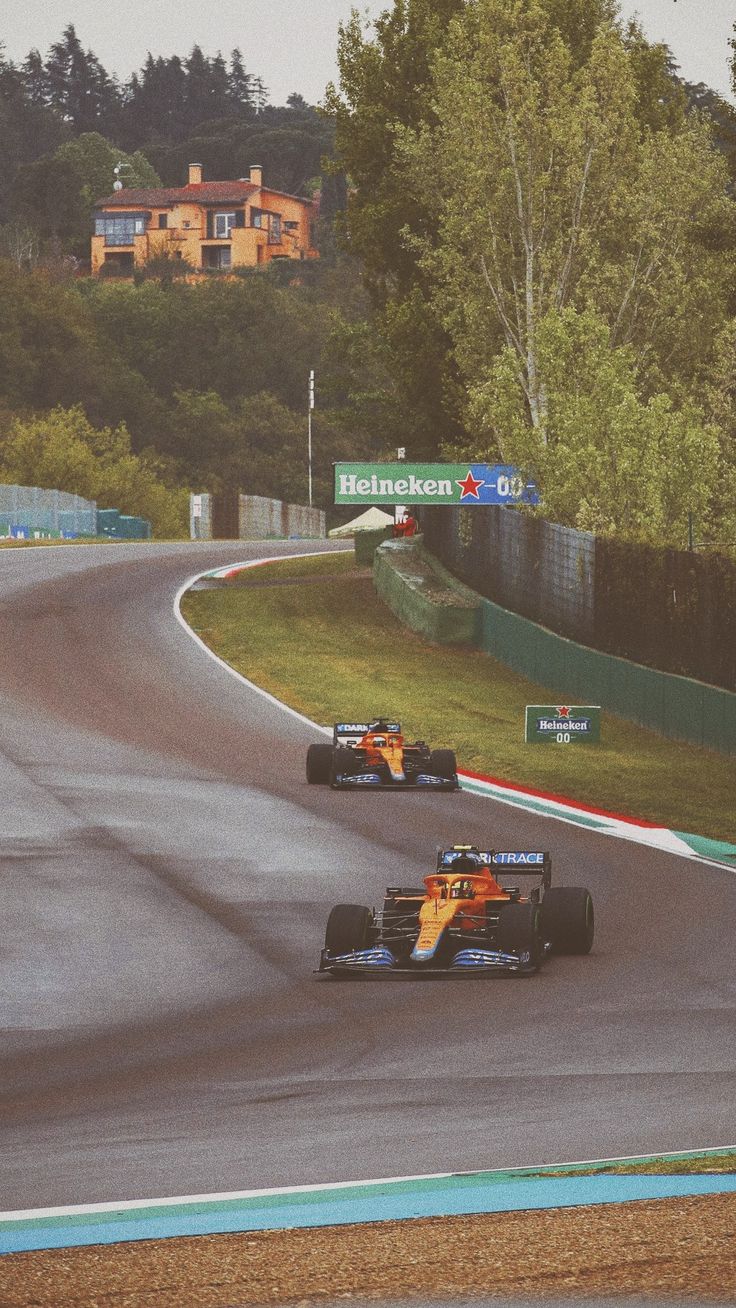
[[291, 45]]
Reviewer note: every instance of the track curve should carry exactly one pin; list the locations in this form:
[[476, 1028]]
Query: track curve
[[166, 873]]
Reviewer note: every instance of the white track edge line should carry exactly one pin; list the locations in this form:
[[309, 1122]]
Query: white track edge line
[[225, 1196], [617, 827], [128, 1205], [500, 799], [265, 694]]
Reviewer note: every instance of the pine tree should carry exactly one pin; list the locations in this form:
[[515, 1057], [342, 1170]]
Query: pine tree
[[77, 86], [35, 79], [198, 87], [219, 103], [240, 84], [260, 94]]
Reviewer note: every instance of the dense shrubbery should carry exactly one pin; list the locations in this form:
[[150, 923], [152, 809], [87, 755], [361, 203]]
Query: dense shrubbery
[[65, 125], [61, 450], [542, 215], [209, 380], [548, 230]]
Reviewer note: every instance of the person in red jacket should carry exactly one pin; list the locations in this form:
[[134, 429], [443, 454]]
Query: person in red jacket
[[406, 526]]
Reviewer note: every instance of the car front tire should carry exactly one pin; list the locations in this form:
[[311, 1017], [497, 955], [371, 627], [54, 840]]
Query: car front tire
[[348, 928], [442, 763], [520, 932], [343, 762]]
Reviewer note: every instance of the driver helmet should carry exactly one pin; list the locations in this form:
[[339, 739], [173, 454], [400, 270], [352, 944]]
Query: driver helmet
[[379, 742], [466, 863]]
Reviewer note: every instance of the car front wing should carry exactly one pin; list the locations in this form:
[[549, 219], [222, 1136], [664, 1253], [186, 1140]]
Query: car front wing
[[375, 780], [380, 960]]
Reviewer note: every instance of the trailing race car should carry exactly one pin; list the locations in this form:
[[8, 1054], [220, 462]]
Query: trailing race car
[[376, 754], [463, 920]]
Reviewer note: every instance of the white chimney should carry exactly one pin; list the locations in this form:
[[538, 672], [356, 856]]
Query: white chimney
[[195, 174]]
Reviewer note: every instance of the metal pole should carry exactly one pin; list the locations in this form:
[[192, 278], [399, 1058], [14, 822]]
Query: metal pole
[[399, 509], [309, 431], [690, 532]]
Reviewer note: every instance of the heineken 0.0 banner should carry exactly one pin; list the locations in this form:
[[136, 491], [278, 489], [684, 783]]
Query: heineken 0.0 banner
[[432, 483], [562, 725]]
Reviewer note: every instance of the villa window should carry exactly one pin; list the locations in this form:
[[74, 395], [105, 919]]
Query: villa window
[[267, 222], [120, 228], [224, 223], [217, 256]]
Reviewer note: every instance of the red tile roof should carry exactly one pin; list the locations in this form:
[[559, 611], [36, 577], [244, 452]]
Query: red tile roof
[[161, 197]]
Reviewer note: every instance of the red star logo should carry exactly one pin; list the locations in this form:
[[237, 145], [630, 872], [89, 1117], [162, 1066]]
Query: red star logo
[[563, 712], [469, 485]]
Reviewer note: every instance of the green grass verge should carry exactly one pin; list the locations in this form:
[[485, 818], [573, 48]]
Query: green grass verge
[[689, 1165], [333, 650], [12, 544], [6, 544]]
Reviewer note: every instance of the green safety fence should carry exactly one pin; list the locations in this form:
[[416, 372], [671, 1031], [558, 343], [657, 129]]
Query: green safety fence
[[676, 706]]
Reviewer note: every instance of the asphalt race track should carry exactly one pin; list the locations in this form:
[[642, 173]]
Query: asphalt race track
[[166, 873]]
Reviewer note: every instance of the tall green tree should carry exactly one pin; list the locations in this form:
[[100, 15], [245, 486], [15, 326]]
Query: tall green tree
[[57, 192], [386, 86], [77, 85], [29, 128], [240, 84], [95, 160], [556, 198], [613, 461], [62, 450]]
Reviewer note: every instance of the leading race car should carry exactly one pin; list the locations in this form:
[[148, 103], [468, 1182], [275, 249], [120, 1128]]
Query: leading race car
[[375, 754], [464, 920]]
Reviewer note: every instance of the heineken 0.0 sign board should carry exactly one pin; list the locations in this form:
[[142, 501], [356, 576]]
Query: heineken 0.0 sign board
[[562, 725], [432, 483]]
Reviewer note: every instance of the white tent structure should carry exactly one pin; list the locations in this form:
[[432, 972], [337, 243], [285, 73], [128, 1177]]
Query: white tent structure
[[372, 520]]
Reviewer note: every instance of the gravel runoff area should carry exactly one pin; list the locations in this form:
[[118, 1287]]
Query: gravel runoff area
[[663, 1250]]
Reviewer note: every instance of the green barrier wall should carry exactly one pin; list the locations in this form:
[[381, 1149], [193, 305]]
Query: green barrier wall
[[675, 706], [366, 543], [420, 597]]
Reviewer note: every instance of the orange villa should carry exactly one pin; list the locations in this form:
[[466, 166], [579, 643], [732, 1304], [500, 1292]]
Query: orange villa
[[238, 224]]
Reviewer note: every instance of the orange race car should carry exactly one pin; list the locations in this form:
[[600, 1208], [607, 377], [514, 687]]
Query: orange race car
[[375, 754], [464, 920]]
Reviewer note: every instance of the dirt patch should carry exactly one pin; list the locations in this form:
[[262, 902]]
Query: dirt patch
[[678, 1249]]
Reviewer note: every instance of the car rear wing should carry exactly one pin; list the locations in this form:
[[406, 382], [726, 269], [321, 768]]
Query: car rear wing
[[522, 862], [526, 863], [351, 733]]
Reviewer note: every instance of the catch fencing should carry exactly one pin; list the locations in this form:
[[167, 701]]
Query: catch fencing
[[28, 512], [251, 517], [667, 609], [31, 511]]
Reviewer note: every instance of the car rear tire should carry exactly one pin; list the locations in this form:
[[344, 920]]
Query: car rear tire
[[348, 928], [520, 932], [568, 920], [343, 762], [319, 764], [442, 763]]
